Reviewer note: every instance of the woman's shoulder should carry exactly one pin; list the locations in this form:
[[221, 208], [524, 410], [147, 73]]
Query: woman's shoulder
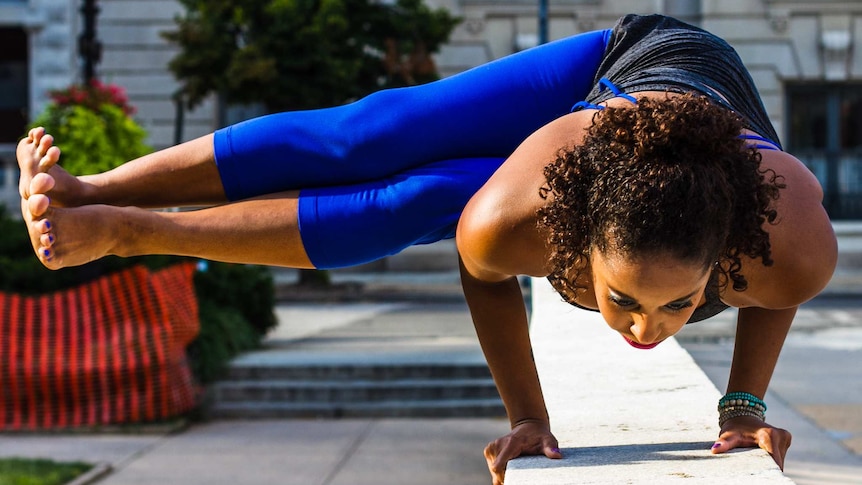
[[498, 232], [803, 244]]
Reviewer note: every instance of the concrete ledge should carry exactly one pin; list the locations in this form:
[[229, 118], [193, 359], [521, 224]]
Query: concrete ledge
[[624, 415]]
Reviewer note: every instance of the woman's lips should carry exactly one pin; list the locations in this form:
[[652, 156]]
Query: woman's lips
[[641, 346]]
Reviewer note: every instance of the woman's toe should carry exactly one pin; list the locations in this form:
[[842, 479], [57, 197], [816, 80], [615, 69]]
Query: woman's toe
[[42, 183], [38, 204], [42, 226], [47, 240], [52, 156], [44, 144]]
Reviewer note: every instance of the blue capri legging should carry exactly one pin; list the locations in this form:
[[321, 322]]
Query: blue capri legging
[[397, 167]]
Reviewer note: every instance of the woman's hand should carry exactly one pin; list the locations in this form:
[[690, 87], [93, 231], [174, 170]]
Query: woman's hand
[[748, 432], [527, 438]]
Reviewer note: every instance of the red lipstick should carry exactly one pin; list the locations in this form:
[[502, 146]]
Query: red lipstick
[[641, 346]]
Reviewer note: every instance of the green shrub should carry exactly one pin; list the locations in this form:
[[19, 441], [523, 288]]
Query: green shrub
[[93, 127], [247, 288], [224, 334]]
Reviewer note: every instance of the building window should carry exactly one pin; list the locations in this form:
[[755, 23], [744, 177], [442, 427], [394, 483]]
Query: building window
[[825, 132], [13, 84]]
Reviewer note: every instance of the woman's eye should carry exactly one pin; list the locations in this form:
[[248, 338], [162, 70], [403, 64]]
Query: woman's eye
[[622, 302], [675, 307]]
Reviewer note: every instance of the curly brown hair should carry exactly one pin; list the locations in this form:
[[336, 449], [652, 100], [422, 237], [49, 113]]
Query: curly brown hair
[[667, 176]]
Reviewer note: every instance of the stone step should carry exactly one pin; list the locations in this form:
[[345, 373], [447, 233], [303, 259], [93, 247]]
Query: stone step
[[283, 389], [354, 391], [356, 372], [388, 409]]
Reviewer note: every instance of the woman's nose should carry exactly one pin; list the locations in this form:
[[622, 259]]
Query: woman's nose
[[645, 329]]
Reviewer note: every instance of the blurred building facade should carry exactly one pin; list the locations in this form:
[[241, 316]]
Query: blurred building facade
[[805, 57]]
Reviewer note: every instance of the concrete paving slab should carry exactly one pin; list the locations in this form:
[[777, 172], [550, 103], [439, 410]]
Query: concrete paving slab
[[297, 452], [855, 444], [842, 421], [114, 449], [422, 452], [367, 334], [300, 320], [245, 452]]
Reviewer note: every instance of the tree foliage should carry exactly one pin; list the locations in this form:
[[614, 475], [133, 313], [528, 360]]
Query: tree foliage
[[302, 54]]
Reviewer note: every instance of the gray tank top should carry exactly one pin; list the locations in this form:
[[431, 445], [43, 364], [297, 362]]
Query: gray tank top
[[658, 53]]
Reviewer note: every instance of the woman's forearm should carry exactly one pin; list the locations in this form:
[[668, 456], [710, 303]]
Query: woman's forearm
[[501, 322], [760, 335]]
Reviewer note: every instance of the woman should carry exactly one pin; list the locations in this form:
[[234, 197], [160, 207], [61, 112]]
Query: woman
[[661, 198]]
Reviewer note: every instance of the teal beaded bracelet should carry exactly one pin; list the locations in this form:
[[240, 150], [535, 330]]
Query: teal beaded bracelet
[[738, 404], [741, 399]]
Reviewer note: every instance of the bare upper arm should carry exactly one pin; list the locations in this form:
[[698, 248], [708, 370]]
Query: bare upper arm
[[498, 235], [803, 243], [481, 241]]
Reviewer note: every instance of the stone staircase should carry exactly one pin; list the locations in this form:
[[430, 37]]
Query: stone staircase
[[395, 390], [416, 358]]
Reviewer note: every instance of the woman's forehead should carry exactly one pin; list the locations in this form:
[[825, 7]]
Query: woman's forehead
[[656, 274]]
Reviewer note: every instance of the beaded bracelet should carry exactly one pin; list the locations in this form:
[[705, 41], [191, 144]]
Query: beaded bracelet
[[738, 404], [741, 399]]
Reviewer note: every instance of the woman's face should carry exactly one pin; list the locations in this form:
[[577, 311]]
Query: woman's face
[[647, 299]]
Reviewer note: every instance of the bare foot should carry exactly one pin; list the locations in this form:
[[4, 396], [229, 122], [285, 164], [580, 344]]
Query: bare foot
[[82, 231], [63, 237], [37, 160]]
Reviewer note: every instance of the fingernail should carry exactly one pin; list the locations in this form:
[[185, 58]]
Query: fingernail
[[716, 445]]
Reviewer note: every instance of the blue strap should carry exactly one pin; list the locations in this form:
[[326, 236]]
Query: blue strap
[[585, 105], [772, 145], [604, 83]]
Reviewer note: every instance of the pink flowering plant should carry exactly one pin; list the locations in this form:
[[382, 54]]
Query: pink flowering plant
[[93, 96], [93, 126]]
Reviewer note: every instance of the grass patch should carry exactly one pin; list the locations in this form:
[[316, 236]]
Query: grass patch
[[20, 471]]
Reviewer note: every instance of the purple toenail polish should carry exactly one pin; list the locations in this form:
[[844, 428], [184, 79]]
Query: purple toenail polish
[[47, 253], [51, 238], [48, 225]]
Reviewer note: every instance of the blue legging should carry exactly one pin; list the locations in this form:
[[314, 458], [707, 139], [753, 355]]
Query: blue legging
[[397, 167]]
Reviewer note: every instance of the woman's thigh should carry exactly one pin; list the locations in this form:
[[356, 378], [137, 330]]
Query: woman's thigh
[[483, 112], [355, 224]]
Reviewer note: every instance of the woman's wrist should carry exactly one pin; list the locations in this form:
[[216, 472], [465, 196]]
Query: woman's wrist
[[544, 422], [737, 404]]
